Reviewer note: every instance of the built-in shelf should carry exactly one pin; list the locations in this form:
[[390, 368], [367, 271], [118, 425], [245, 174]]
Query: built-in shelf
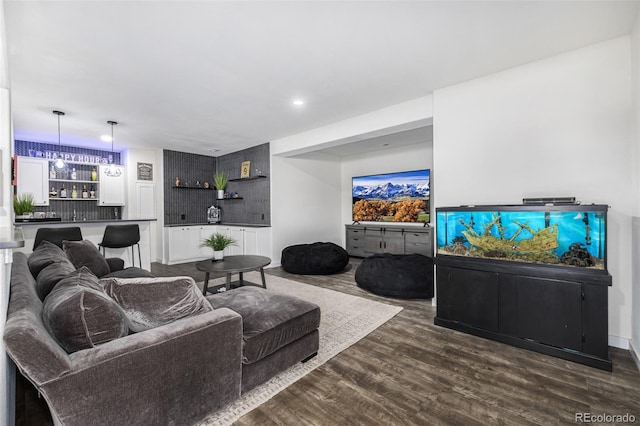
[[248, 178], [74, 181], [192, 187], [72, 199]]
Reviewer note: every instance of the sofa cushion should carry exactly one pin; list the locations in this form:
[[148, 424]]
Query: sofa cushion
[[85, 253], [130, 272], [50, 275], [44, 255], [153, 302], [79, 315], [270, 320]]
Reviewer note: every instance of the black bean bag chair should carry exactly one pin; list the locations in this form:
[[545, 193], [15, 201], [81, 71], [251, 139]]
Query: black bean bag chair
[[314, 259], [408, 276]]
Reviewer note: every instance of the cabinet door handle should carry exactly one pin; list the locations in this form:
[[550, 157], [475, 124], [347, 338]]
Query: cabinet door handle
[[380, 244]]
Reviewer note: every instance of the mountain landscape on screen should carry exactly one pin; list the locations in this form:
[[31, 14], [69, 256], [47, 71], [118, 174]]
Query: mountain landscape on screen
[[392, 197]]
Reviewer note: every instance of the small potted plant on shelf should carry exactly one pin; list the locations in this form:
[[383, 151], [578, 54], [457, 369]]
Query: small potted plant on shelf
[[220, 180], [218, 242], [23, 205]]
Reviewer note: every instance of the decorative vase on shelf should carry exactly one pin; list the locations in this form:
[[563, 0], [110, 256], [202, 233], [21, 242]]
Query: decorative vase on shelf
[[220, 195], [218, 254]]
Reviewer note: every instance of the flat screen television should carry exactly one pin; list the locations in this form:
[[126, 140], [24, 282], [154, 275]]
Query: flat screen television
[[392, 197]]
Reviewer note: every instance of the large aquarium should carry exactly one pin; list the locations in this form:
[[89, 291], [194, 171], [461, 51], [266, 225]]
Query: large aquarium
[[573, 235]]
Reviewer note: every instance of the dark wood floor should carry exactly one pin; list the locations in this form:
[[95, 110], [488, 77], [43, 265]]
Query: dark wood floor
[[411, 372]]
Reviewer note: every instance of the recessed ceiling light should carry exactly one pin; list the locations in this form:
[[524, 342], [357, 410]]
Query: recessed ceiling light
[[298, 102], [105, 138]]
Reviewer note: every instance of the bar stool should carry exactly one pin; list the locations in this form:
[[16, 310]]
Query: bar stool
[[121, 236], [57, 235]]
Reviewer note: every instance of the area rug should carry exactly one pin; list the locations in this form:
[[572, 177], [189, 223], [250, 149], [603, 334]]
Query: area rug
[[345, 319]]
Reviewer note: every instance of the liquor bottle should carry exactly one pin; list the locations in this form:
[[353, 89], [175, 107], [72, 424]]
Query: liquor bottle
[[53, 193], [74, 176], [52, 172], [74, 192], [85, 193], [92, 192], [94, 175], [63, 192]]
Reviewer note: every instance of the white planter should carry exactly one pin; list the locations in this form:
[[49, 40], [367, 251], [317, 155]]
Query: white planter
[[218, 254], [220, 194]]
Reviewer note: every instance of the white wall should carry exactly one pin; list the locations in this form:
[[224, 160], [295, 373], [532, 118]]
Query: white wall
[[556, 127], [7, 370], [635, 167], [305, 201], [410, 157]]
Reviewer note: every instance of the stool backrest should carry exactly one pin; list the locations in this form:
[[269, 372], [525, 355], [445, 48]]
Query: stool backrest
[[57, 235], [118, 236]]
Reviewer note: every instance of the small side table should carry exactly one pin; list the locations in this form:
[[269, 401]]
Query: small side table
[[233, 265]]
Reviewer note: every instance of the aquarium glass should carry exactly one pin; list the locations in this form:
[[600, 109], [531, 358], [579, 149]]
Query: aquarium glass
[[572, 238]]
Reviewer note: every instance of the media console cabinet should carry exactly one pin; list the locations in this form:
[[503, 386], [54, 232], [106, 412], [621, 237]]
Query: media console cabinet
[[365, 240]]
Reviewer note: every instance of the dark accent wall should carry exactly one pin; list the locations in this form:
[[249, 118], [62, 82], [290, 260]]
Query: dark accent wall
[[187, 204], [255, 206]]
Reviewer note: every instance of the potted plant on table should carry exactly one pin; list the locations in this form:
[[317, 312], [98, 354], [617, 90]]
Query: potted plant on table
[[23, 205], [218, 242], [220, 180]]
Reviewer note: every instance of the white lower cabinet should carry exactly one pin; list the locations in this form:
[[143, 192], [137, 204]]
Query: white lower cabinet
[[183, 242]]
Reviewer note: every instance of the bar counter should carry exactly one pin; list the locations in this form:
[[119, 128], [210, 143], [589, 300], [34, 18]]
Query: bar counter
[[93, 230]]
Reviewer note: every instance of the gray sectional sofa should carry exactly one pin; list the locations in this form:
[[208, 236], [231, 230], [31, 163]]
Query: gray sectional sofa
[[171, 370]]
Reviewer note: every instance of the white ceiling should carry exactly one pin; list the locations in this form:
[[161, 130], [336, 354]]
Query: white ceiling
[[197, 76]]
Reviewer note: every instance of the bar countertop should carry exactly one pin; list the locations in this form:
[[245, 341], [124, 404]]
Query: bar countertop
[[80, 222], [246, 225], [11, 237]]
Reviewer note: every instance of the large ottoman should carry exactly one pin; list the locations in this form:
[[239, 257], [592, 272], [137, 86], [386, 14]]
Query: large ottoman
[[278, 331], [314, 259], [407, 276]]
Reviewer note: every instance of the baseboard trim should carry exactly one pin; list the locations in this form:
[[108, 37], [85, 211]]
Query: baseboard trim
[[618, 342], [634, 354]]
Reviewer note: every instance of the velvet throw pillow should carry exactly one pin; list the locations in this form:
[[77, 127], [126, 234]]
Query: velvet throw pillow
[[85, 253], [44, 255], [51, 275], [79, 315], [153, 302]]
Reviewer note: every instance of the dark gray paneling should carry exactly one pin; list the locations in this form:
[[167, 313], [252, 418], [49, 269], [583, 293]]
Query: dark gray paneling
[[187, 204], [88, 210], [255, 205]]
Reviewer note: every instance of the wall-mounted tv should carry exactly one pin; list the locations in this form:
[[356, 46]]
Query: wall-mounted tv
[[392, 197]]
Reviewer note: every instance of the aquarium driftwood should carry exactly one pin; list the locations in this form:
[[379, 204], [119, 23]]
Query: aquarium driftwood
[[541, 241]]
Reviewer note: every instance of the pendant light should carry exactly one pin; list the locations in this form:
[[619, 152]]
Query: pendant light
[[59, 163], [112, 171]]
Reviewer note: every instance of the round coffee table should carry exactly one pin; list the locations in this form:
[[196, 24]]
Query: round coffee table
[[233, 265]]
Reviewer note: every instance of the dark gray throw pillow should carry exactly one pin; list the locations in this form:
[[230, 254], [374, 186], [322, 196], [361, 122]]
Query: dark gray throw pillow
[[85, 253], [50, 275], [79, 315], [153, 302], [44, 255]]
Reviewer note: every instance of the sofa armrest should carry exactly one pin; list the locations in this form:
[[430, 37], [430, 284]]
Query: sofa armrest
[[115, 264], [174, 374]]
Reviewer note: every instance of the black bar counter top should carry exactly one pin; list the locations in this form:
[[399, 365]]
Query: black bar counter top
[[45, 222], [247, 225]]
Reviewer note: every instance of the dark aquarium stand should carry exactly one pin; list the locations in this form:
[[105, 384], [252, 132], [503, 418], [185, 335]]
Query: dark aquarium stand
[[512, 287]]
